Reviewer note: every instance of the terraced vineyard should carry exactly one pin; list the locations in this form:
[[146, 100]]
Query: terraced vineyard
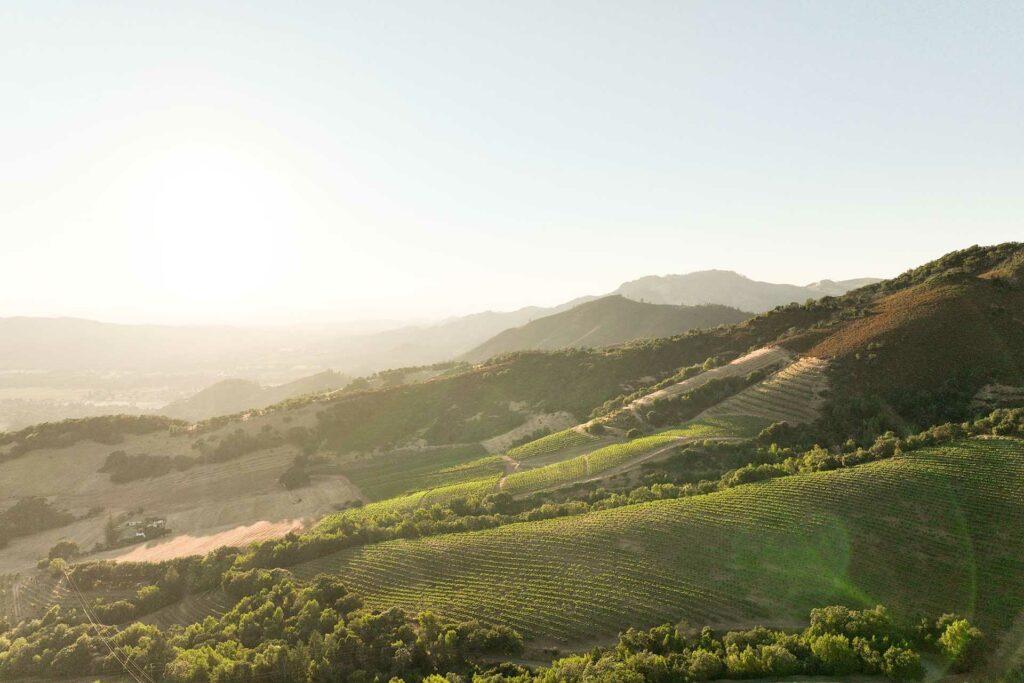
[[444, 494], [547, 476], [412, 501], [30, 595], [936, 531], [392, 474], [738, 426], [583, 466], [794, 394], [552, 443], [744, 365], [191, 610], [610, 457], [8, 596]]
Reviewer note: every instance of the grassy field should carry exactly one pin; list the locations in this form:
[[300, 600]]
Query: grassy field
[[936, 531]]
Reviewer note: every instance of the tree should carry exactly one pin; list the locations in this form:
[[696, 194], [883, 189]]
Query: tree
[[294, 477], [902, 665], [776, 660], [834, 653], [110, 533], [66, 550], [963, 644], [705, 665]]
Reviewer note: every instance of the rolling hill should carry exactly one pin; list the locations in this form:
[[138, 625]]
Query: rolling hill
[[57, 368], [605, 322], [933, 530], [765, 553], [232, 396]]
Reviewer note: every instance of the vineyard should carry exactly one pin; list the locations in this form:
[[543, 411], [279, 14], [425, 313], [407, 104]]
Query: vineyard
[[794, 394], [547, 476], [936, 531], [192, 609], [442, 494], [31, 594], [744, 365], [735, 426], [597, 462], [552, 443], [603, 460], [609, 457], [392, 474]]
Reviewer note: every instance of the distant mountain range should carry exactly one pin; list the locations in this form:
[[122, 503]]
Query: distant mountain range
[[51, 368], [728, 288], [604, 322]]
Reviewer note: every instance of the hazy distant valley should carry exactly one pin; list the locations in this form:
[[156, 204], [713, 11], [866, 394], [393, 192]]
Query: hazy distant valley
[[52, 369]]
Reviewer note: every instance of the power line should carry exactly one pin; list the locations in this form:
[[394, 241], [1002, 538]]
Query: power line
[[106, 641]]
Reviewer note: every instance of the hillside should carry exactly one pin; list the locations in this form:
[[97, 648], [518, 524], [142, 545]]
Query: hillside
[[882, 370], [572, 494], [727, 288], [763, 553], [232, 396], [915, 350], [605, 322], [58, 368]]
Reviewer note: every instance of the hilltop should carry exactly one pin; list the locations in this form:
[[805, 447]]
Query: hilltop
[[605, 322]]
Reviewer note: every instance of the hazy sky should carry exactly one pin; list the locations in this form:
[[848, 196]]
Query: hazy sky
[[195, 162]]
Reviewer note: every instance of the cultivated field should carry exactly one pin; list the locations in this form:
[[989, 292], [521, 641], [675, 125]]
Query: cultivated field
[[192, 609], [795, 394], [936, 531], [744, 365], [392, 474], [552, 443]]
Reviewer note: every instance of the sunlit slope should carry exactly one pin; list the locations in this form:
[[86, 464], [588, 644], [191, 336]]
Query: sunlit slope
[[939, 530], [604, 322], [795, 394]]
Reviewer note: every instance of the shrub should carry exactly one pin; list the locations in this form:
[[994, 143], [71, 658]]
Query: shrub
[[66, 550], [963, 644], [835, 655], [901, 664], [704, 665]]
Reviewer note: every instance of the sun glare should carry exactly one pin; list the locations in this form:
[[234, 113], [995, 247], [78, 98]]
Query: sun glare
[[216, 223]]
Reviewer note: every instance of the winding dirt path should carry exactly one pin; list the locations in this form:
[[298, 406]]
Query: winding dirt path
[[511, 467]]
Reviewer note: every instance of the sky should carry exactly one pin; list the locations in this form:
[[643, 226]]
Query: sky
[[259, 162]]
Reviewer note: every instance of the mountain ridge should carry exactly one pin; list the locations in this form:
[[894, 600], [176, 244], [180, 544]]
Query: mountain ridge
[[606, 321], [732, 289]]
